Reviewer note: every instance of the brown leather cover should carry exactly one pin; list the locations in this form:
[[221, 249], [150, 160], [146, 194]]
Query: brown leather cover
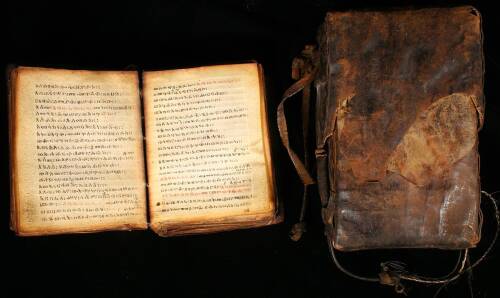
[[399, 104]]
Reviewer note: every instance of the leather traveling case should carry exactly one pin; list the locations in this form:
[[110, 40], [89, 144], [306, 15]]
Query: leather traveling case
[[399, 102]]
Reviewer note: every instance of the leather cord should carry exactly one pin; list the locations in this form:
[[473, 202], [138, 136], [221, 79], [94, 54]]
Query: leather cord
[[393, 273]]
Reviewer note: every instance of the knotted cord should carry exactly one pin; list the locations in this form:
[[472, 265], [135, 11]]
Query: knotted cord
[[393, 272]]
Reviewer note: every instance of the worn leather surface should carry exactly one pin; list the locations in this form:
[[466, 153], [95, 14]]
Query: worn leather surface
[[399, 104]]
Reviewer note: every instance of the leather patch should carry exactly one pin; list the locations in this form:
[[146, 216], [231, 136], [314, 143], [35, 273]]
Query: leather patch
[[440, 136]]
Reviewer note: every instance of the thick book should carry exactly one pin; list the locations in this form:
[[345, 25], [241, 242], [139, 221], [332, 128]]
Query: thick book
[[180, 151], [399, 106]]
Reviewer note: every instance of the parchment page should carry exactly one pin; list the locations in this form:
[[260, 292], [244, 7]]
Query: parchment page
[[78, 157], [206, 155]]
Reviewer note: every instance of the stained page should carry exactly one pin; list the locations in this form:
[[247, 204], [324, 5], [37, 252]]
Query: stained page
[[77, 151], [206, 144]]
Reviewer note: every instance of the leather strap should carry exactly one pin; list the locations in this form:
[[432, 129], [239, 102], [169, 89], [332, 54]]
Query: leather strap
[[307, 74], [304, 70], [283, 128]]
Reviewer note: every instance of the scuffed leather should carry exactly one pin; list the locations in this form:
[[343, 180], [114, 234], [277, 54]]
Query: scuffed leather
[[399, 104]]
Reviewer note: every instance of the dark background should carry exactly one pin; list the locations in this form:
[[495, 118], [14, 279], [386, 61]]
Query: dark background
[[248, 263]]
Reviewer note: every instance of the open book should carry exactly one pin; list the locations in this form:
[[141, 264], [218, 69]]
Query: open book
[[80, 163]]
